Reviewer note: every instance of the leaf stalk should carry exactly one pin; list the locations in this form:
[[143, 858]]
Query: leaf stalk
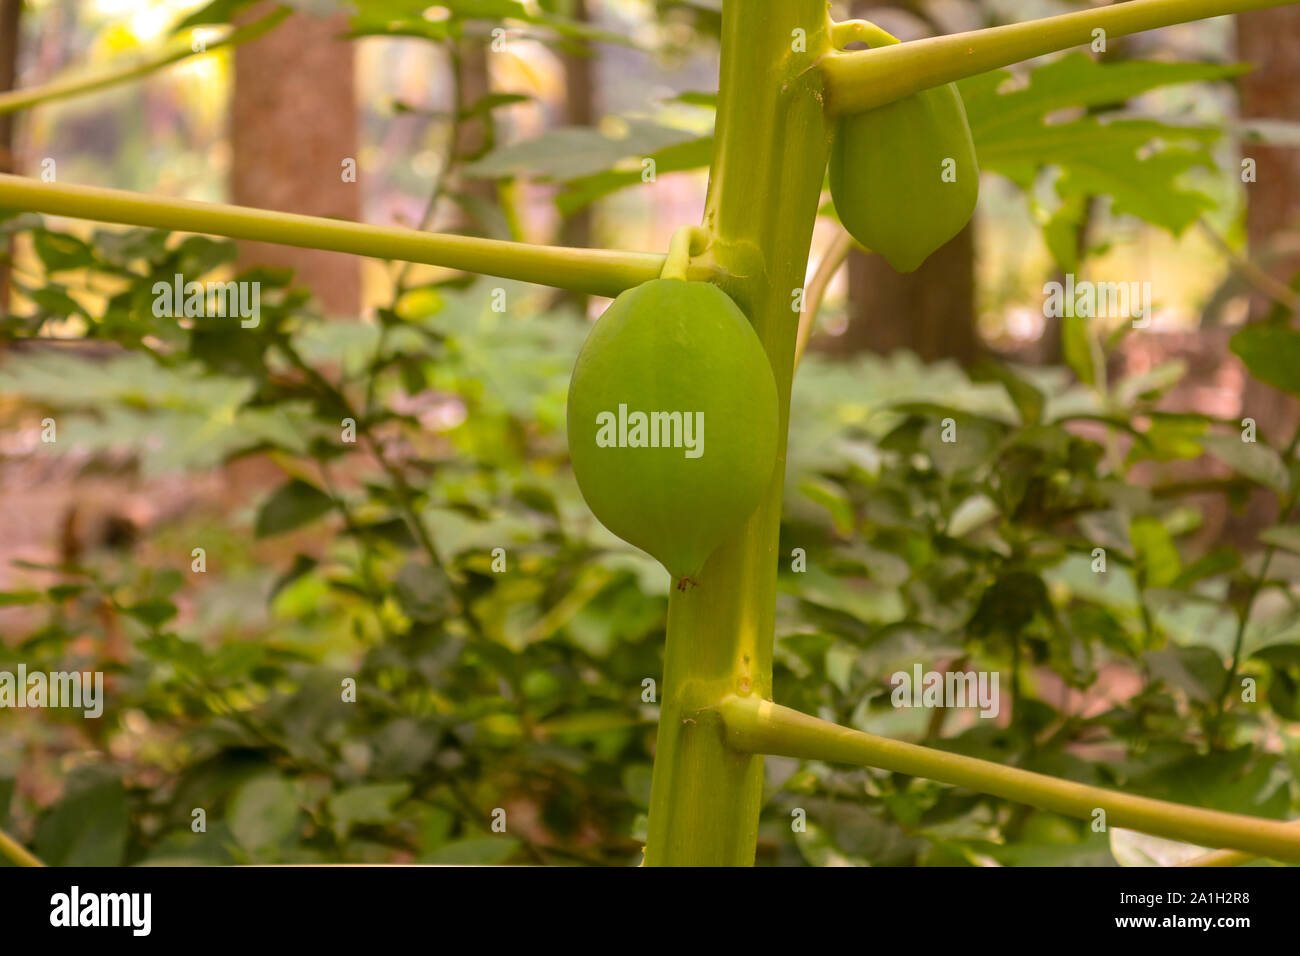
[[757, 726], [593, 271], [864, 79]]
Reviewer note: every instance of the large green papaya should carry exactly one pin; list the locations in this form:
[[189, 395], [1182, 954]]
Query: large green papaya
[[672, 420], [904, 175]]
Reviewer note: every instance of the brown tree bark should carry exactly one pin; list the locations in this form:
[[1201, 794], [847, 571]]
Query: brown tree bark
[[1270, 39], [474, 136], [293, 123], [580, 109], [930, 311]]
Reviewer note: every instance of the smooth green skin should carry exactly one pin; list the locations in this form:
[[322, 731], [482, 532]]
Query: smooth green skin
[[674, 346], [886, 175]]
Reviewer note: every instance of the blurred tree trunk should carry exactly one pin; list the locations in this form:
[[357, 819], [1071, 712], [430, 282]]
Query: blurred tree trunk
[[930, 311], [474, 136], [293, 123], [1271, 40], [10, 21], [580, 109]]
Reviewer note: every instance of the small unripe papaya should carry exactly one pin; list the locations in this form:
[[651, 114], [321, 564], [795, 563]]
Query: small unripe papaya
[[904, 175], [672, 420]]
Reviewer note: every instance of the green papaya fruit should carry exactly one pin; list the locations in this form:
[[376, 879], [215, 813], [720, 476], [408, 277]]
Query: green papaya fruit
[[672, 421], [904, 175]]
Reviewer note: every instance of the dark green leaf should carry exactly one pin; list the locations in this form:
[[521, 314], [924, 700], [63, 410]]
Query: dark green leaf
[[1271, 353], [263, 813], [292, 505], [88, 826], [59, 251], [475, 851], [369, 803]]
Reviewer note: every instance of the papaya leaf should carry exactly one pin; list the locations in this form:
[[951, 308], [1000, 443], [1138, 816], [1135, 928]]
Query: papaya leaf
[[567, 153], [678, 157], [1138, 162], [1074, 80]]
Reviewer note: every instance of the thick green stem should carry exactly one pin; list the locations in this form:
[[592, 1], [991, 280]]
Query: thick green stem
[[595, 271], [765, 182], [15, 100], [756, 726], [870, 78]]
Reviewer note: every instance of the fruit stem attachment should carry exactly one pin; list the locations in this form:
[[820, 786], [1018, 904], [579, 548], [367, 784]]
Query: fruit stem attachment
[[860, 31], [687, 241]]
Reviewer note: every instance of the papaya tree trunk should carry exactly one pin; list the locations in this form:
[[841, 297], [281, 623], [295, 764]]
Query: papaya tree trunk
[[771, 146]]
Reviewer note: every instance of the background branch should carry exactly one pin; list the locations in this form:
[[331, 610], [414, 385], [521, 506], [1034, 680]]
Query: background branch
[[816, 291], [62, 89]]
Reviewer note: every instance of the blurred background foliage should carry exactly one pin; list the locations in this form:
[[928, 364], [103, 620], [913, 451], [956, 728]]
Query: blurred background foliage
[[382, 500]]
